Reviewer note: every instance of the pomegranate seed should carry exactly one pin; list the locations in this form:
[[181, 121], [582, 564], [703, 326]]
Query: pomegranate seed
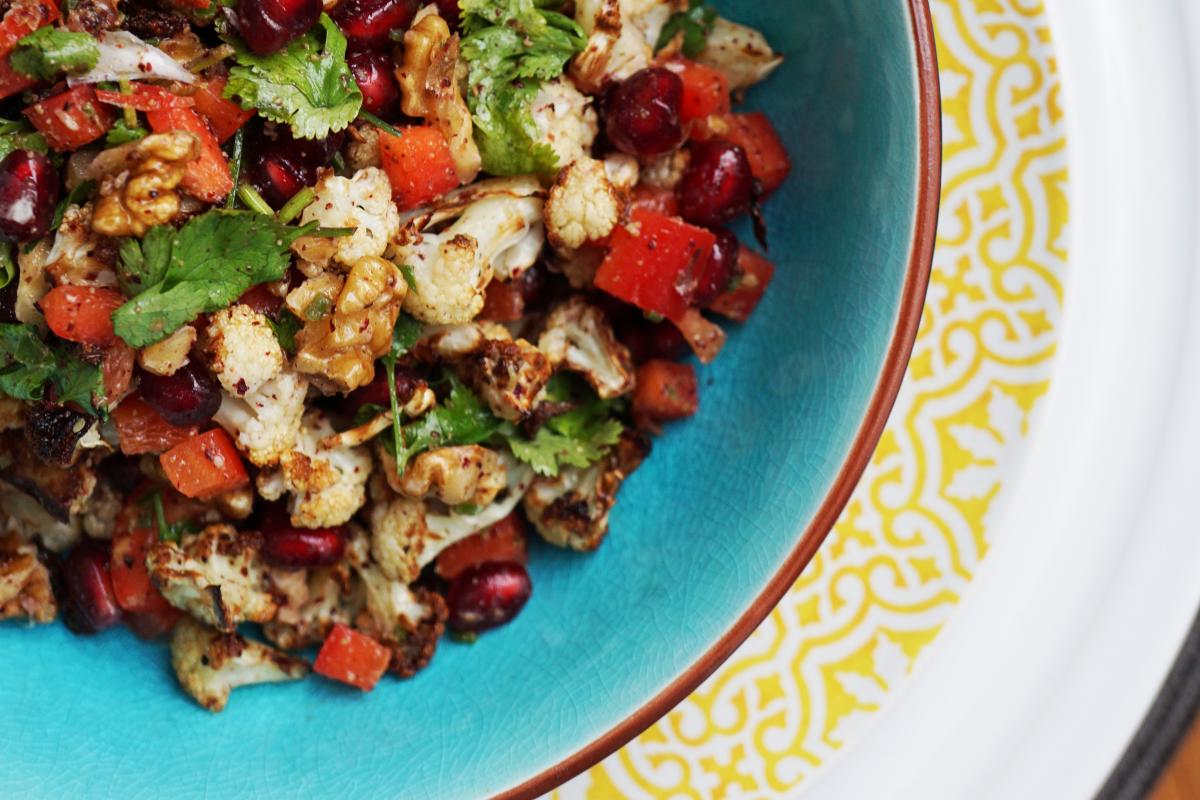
[[717, 185], [721, 266], [289, 547], [28, 195], [279, 165], [367, 23], [376, 392], [268, 25], [88, 588], [650, 341], [487, 595], [375, 75], [643, 113], [189, 397]]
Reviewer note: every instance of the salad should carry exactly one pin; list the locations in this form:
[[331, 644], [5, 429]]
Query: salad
[[312, 314]]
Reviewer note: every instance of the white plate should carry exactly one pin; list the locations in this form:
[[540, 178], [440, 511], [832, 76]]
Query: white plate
[[1046, 670]]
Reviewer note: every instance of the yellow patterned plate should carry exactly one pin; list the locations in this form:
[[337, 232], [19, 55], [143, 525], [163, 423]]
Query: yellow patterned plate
[[847, 636]]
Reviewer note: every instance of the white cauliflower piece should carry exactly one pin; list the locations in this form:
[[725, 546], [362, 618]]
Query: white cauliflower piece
[[311, 603], [77, 259], [623, 171], [265, 423], [583, 205], [509, 375], [363, 203], [24, 516], [621, 38], [215, 575], [665, 171], [579, 337], [564, 118], [741, 53], [328, 487], [497, 232], [210, 664], [452, 527], [32, 285], [241, 349], [572, 510]]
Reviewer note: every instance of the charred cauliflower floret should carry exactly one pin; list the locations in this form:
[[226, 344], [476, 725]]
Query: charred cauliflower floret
[[469, 474], [80, 257], [578, 337], [265, 423], [215, 575], [497, 231], [210, 664], [582, 206], [564, 118], [328, 487], [363, 203], [312, 602], [431, 78], [241, 348], [508, 374], [621, 38], [572, 510], [25, 591], [741, 53]]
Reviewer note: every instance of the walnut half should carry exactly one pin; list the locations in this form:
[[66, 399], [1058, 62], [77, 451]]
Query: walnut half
[[142, 194]]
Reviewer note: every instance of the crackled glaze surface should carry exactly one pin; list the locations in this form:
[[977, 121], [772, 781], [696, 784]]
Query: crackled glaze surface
[[697, 533], [847, 636]]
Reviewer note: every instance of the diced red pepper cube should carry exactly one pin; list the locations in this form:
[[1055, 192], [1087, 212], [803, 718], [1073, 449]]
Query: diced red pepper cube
[[205, 466], [71, 119], [353, 658]]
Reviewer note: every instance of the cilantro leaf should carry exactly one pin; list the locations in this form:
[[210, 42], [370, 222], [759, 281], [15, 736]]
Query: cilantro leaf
[[578, 438], [19, 135], [286, 328], [461, 419], [404, 336], [511, 47], [76, 197], [50, 51], [120, 133], [28, 365], [695, 24], [202, 267], [307, 85]]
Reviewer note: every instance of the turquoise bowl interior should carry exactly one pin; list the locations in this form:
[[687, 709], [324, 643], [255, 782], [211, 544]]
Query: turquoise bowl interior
[[699, 533]]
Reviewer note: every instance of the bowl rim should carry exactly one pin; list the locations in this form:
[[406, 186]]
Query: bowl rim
[[912, 304]]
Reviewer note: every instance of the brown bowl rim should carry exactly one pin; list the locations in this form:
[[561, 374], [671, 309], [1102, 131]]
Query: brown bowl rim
[[912, 303]]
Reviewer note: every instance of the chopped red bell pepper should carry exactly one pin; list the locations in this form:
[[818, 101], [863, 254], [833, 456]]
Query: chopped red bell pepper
[[666, 391], [134, 532], [705, 90], [655, 262], [419, 165], [225, 116], [71, 119], [769, 160], [208, 176], [503, 541], [205, 466], [145, 97], [22, 18], [141, 429], [82, 314], [352, 657], [116, 370], [750, 281]]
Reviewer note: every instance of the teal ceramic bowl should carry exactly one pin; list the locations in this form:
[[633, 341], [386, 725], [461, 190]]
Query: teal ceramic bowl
[[705, 540]]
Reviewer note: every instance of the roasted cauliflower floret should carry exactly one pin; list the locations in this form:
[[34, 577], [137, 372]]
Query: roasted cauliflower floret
[[431, 78], [582, 206], [210, 664], [168, 356], [579, 338], [328, 487], [363, 203], [241, 348], [508, 374], [742, 53], [497, 231], [665, 171], [623, 171], [265, 423], [79, 256], [312, 602], [142, 193], [215, 575], [621, 38], [32, 284], [572, 510], [469, 474], [25, 591], [564, 118]]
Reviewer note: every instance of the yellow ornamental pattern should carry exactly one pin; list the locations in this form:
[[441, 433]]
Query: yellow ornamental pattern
[[852, 628]]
